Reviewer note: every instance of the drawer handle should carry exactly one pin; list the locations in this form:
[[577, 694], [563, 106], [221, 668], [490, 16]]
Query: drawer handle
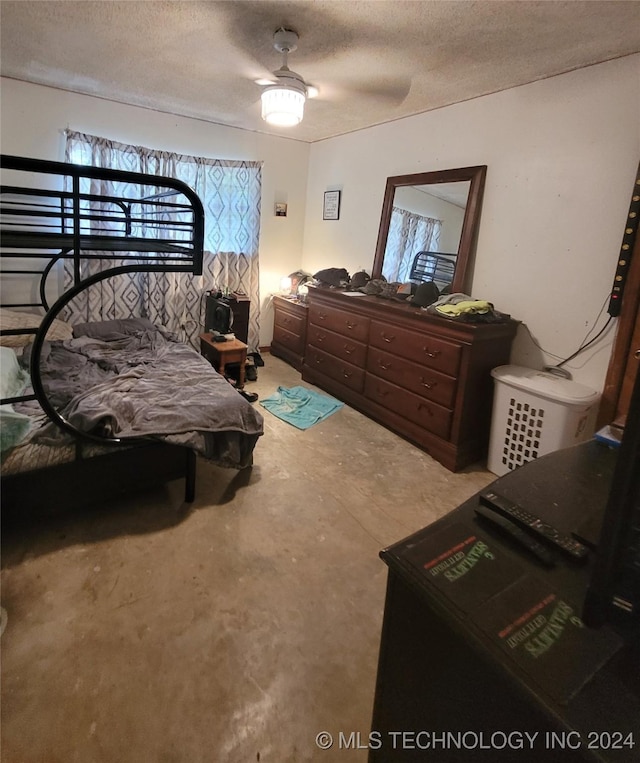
[[349, 349], [286, 319], [428, 385], [319, 361], [384, 366], [431, 354], [347, 374], [322, 316], [387, 338], [382, 392], [424, 407], [350, 324], [320, 337]]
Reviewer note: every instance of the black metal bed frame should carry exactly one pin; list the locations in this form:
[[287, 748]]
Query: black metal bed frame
[[155, 225], [433, 266]]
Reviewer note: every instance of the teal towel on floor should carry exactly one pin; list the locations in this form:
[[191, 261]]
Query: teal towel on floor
[[300, 406]]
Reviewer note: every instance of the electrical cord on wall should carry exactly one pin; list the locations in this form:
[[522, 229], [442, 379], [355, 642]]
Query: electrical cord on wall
[[586, 344], [557, 369]]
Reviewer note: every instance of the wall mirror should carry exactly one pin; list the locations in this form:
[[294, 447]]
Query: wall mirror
[[429, 226]]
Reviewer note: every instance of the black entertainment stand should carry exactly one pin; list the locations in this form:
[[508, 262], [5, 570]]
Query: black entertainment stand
[[483, 656]]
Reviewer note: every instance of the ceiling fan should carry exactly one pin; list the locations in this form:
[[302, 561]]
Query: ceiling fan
[[338, 64], [284, 96]]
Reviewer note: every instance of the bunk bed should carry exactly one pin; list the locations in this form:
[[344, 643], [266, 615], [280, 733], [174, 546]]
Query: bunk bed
[[99, 408]]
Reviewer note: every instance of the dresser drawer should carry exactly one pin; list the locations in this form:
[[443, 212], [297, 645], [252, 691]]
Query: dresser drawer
[[416, 378], [337, 369], [341, 321], [294, 324], [416, 409], [420, 348], [291, 341], [342, 347]]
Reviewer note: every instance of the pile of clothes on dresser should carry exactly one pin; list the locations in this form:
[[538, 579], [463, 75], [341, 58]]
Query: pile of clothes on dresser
[[426, 295]]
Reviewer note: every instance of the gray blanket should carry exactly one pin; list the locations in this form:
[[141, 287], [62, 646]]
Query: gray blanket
[[148, 385]]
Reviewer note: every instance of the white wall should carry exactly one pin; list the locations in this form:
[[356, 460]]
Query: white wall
[[33, 119], [561, 154]]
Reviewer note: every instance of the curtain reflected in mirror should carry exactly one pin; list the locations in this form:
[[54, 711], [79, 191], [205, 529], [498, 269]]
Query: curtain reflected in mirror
[[424, 233], [409, 233]]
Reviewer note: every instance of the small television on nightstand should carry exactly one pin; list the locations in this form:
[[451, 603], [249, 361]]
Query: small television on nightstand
[[218, 316]]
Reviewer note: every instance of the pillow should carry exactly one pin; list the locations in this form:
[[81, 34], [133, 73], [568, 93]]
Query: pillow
[[13, 379], [12, 319], [13, 427], [109, 331]]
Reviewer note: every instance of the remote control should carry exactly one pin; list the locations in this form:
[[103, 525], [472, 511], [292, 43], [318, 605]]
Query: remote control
[[517, 533], [565, 543]]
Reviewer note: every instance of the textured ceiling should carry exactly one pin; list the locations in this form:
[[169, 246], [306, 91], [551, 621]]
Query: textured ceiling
[[372, 62]]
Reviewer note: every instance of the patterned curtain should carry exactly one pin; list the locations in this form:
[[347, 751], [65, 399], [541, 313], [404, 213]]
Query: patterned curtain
[[230, 193], [409, 234]]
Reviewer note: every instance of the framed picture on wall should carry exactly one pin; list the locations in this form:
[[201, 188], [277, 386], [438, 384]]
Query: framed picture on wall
[[331, 207]]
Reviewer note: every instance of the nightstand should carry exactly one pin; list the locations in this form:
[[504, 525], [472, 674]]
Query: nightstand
[[289, 330], [221, 353]]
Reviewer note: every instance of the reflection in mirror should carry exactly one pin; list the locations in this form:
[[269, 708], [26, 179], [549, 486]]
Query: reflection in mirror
[[424, 233], [428, 227]]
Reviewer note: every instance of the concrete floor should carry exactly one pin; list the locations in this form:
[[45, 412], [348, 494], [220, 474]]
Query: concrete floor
[[234, 630]]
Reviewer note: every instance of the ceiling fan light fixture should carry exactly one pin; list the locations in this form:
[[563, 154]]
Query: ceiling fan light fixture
[[282, 105], [283, 101]]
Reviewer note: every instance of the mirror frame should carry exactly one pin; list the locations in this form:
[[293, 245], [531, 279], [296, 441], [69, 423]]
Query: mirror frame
[[470, 223]]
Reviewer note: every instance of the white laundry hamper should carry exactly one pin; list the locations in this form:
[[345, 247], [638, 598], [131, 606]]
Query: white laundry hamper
[[536, 412]]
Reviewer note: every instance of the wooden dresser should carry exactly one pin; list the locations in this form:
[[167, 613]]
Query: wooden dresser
[[289, 330], [426, 378]]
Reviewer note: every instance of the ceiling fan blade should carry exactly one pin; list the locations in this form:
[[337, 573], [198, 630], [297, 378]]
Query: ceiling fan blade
[[249, 26], [328, 64], [394, 91], [391, 92]]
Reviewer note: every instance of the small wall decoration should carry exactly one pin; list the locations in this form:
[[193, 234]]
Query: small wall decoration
[[281, 209], [331, 208]]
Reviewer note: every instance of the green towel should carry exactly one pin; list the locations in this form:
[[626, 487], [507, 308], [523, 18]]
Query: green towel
[[300, 406]]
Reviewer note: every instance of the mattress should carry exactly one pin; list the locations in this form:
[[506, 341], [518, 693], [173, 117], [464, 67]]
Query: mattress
[[132, 381]]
